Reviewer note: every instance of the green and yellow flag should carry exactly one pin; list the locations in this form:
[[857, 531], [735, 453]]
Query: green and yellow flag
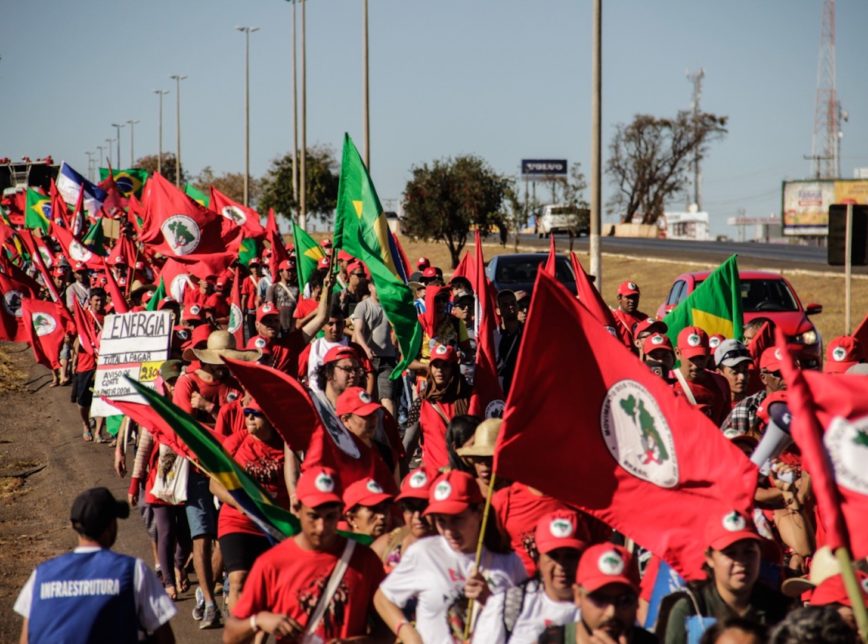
[[37, 211], [361, 230], [128, 182], [158, 296], [247, 250], [197, 195], [715, 306], [95, 238], [307, 254]]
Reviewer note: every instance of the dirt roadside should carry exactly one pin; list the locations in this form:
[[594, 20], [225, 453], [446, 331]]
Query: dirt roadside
[[41, 448]]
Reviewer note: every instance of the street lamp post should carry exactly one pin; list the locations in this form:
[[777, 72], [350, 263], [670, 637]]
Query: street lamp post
[[108, 149], [160, 93], [178, 78], [132, 125], [302, 211], [596, 144], [89, 165], [118, 126], [366, 115], [99, 158], [247, 31], [294, 112]]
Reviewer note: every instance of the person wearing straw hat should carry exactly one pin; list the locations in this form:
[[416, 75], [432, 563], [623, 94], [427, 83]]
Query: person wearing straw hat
[[479, 452], [521, 614], [442, 573]]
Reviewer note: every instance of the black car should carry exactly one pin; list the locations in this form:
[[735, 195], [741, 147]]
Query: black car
[[518, 272]]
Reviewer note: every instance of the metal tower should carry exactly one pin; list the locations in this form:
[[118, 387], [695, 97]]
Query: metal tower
[[827, 111], [696, 79]]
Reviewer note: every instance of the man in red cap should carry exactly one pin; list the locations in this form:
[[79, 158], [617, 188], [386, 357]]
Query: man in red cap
[[628, 312], [356, 290], [284, 293], [644, 329], [842, 353], [251, 294], [658, 355], [704, 389], [522, 613], [743, 417], [315, 586], [831, 592]]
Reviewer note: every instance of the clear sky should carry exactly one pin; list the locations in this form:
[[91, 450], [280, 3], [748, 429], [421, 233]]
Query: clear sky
[[499, 78]]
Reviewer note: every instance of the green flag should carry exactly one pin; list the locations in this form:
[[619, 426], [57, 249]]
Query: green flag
[[307, 255], [156, 297], [247, 250], [95, 238], [128, 182], [37, 211], [361, 230], [197, 195], [714, 306]]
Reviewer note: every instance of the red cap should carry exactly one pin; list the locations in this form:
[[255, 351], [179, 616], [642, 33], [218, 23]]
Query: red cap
[[318, 486], [254, 262], [327, 242], [199, 336], [558, 530], [649, 325], [762, 412], [430, 273], [444, 352], [257, 342], [715, 340], [655, 342], [344, 256], [285, 265], [416, 485], [365, 492], [841, 354], [265, 310], [119, 261], [355, 400], [422, 263], [604, 564], [355, 266], [340, 352], [770, 360], [693, 341], [452, 493], [192, 312], [79, 266], [832, 591], [628, 288], [723, 530], [323, 263]]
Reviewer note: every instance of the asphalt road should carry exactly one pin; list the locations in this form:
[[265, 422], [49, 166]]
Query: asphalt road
[[771, 255]]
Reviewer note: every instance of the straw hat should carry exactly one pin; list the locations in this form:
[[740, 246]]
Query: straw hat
[[824, 564], [484, 439], [137, 287], [221, 344]]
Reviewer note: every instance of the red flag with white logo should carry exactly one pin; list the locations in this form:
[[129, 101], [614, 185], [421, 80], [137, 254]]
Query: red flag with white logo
[[237, 214], [46, 324], [74, 250], [589, 424], [235, 325]]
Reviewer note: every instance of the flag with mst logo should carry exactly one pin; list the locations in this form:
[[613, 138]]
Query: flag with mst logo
[[46, 324], [645, 462], [715, 306], [830, 426], [362, 231]]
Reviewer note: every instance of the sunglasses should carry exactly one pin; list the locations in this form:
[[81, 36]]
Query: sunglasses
[[414, 505], [621, 600], [774, 374], [249, 411]]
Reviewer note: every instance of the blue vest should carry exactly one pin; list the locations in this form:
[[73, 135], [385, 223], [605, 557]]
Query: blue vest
[[84, 597]]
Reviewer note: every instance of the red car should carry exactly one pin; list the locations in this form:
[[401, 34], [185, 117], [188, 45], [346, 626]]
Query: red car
[[768, 295]]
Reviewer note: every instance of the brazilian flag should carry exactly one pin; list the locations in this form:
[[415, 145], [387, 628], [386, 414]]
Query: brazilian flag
[[37, 211], [248, 250], [197, 195], [715, 306], [95, 238], [307, 253], [157, 296], [276, 523], [128, 182]]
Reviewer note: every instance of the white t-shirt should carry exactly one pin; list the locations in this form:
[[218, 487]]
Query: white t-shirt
[[435, 574], [537, 613], [153, 606], [318, 349]]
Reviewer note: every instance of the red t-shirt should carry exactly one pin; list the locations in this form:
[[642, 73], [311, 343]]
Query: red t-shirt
[[434, 452], [304, 307], [283, 354], [264, 463], [518, 510], [249, 289], [87, 361], [219, 393], [290, 581], [712, 396], [322, 451], [629, 320], [218, 305], [230, 420]]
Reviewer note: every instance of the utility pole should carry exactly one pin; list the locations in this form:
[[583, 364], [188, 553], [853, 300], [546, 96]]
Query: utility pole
[[247, 31], [160, 93], [177, 78], [89, 165], [108, 149], [366, 115], [117, 127], [696, 79], [294, 113], [132, 125], [596, 144], [302, 214], [100, 157]]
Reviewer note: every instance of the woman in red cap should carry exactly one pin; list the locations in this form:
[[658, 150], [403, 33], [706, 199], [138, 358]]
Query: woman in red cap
[[260, 452], [440, 573], [413, 500], [367, 507]]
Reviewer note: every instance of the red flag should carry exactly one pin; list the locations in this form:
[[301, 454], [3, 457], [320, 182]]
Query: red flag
[[87, 336], [283, 400], [12, 293], [124, 248], [74, 250], [45, 324], [119, 302], [163, 433], [593, 301], [235, 326], [830, 426], [587, 423], [36, 251], [237, 214], [406, 272], [764, 339], [861, 334], [177, 226], [270, 223], [551, 261], [462, 268], [278, 250], [59, 211], [487, 400]]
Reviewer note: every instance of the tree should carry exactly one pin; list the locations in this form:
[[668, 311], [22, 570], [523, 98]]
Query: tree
[[230, 184], [449, 198], [649, 159], [149, 163], [322, 184]]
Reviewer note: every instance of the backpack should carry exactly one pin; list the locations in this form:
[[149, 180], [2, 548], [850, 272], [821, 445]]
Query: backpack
[[697, 621]]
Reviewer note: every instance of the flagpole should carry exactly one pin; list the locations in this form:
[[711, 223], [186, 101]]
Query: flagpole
[[294, 111], [366, 115], [479, 543], [302, 214], [851, 584]]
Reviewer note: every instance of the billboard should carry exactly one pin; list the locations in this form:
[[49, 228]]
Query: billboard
[[543, 167], [805, 204]]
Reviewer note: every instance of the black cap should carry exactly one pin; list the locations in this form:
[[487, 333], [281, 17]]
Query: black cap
[[93, 510]]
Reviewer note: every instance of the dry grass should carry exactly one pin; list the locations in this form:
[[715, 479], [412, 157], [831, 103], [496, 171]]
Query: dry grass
[[11, 378]]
